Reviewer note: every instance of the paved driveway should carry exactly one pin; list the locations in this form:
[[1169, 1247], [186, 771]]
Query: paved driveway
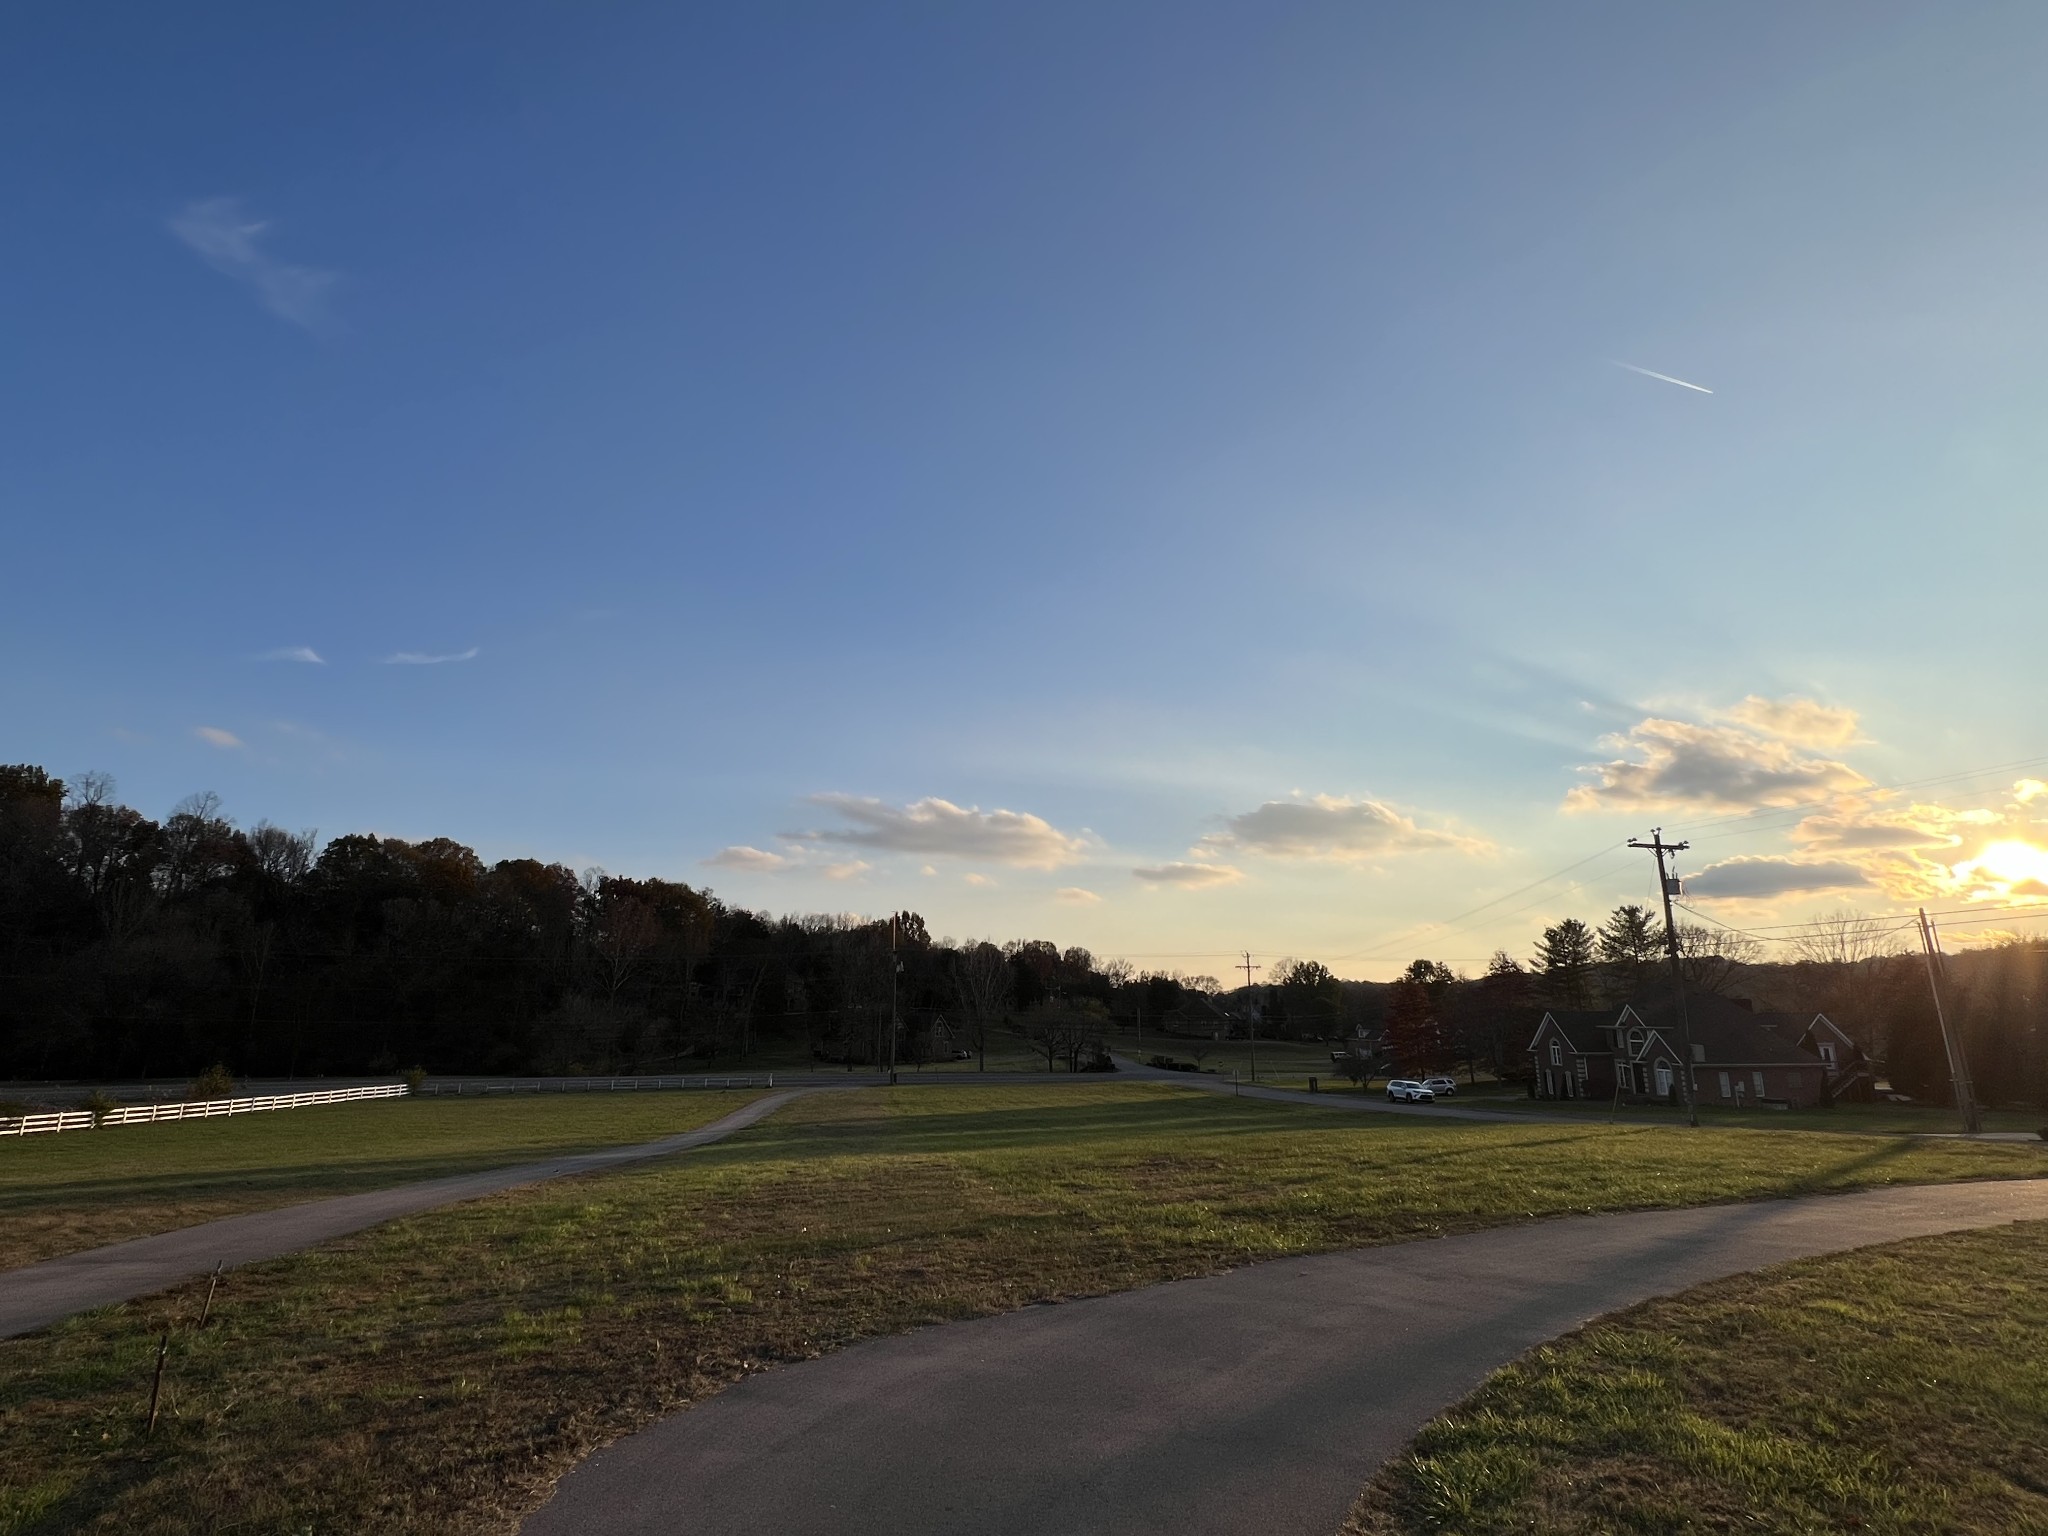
[[1259, 1401]]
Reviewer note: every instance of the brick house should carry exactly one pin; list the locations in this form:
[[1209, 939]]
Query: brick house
[[1740, 1058]]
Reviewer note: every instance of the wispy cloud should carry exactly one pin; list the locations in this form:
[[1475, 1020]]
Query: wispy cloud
[[214, 736], [304, 653], [229, 241], [1189, 877], [1651, 373], [1805, 721], [429, 658], [1076, 896], [1334, 827], [755, 861], [1766, 877], [939, 828]]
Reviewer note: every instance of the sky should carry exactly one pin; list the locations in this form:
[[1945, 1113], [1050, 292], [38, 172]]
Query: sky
[[1176, 479]]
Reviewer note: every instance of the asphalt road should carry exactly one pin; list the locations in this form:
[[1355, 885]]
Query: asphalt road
[[1259, 1401], [39, 1294]]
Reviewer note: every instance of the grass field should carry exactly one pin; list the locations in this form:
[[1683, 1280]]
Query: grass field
[[438, 1373], [1920, 1119], [1897, 1390], [78, 1189]]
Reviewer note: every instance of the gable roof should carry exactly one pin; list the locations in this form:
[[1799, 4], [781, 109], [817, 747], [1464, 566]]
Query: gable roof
[[1584, 1029], [1730, 1033]]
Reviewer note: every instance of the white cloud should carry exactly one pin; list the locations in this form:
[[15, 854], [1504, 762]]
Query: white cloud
[[940, 829], [429, 658], [852, 869], [757, 861], [1190, 877], [227, 240], [1794, 719], [1766, 877], [980, 880], [214, 736], [2028, 790], [1075, 896], [1708, 767], [1334, 827], [304, 653]]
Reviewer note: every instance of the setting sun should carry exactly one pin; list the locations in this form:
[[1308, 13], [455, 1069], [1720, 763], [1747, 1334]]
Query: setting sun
[[2012, 862]]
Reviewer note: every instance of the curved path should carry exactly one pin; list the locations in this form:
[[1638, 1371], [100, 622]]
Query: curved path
[[40, 1294], [1256, 1401]]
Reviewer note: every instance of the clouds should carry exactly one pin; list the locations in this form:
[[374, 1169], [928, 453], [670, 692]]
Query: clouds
[[430, 658], [753, 861], [1765, 877], [214, 736], [1076, 896], [300, 653], [229, 241], [935, 828], [1334, 827], [1801, 720], [1186, 876], [1672, 764]]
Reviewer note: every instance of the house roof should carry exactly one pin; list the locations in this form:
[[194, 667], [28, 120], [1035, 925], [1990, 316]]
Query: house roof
[[1584, 1029], [1731, 1034]]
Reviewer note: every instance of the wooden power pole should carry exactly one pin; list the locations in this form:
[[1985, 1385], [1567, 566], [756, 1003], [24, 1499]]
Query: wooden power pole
[[1958, 1065], [1251, 1010], [1667, 883]]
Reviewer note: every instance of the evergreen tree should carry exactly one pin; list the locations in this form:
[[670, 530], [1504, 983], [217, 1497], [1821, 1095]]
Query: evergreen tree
[[1564, 965]]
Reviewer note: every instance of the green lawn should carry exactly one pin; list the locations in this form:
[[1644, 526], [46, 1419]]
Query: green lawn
[[438, 1373], [1896, 1390], [1904, 1118], [78, 1189]]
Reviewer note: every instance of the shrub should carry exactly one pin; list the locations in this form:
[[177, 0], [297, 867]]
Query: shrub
[[96, 1104], [415, 1080], [216, 1082]]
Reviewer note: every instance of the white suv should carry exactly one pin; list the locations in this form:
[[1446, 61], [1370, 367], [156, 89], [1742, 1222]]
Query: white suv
[[1404, 1090]]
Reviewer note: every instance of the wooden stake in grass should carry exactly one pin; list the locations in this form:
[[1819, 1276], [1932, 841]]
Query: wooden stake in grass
[[156, 1385], [211, 1286]]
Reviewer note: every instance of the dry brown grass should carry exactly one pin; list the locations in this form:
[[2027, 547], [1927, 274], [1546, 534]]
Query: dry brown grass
[[438, 1374], [81, 1189]]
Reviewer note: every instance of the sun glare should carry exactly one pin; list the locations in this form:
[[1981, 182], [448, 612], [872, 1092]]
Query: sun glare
[[2012, 861]]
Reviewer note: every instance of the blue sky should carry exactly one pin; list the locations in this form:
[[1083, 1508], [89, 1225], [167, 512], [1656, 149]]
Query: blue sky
[[1192, 431]]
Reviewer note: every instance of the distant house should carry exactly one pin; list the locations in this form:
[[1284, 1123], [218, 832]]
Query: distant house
[[1739, 1057]]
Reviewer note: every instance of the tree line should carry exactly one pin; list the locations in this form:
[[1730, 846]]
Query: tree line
[[131, 947], [1863, 972]]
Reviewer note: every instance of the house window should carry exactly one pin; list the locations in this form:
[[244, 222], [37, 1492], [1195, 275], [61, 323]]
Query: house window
[[1757, 1078], [1628, 1077], [1556, 1054], [1827, 1052], [1699, 1053], [1635, 1042], [1724, 1085], [1796, 1081]]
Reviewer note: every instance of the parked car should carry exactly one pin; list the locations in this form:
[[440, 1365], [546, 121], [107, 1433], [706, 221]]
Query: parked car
[[1442, 1087], [1405, 1090]]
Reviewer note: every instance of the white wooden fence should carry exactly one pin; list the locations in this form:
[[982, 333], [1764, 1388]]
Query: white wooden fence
[[202, 1109], [589, 1084]]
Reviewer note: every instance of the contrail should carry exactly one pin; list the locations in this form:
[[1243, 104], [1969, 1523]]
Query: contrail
[[1651, 373]]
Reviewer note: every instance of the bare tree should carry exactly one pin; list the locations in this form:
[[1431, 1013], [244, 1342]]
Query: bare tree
[[1711, 958], [1846, 938], [981, 978]]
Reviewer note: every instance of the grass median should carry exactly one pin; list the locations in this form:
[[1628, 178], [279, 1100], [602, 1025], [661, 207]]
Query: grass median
[[73, 1190], [438, 1374], [1894, 1390]]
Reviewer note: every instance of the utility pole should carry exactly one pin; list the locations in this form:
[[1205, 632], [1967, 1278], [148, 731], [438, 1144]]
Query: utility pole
[[1958, 1067], [1251, 1010], [1665, 882], [894, 966]]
